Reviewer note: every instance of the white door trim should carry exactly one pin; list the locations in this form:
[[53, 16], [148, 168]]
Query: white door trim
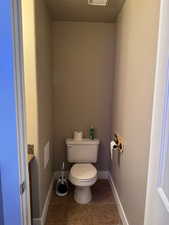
[[20, 109], [157, 126]]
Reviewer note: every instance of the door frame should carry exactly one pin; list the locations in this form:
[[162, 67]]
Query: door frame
[[157, 123], [20, 109], [21, 118]]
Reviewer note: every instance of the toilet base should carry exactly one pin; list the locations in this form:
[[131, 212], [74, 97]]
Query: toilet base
[[82, 195]]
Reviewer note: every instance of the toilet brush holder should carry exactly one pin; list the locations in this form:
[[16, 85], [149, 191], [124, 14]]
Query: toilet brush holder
[[62, 184]]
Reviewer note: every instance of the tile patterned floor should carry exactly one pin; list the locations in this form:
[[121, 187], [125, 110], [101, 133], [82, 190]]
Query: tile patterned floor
[[100, 211]]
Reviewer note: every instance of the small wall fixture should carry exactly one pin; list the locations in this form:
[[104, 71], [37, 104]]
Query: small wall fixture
[[98, 2], [119, 143]]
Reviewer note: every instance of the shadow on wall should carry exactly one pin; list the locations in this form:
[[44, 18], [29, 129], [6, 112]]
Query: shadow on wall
[[83, 79], [34, 177]]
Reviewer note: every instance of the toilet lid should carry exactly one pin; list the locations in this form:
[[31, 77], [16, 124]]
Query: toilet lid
[[83, 171]]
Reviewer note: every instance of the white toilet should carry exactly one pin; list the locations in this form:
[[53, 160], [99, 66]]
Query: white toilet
[[83, 174]]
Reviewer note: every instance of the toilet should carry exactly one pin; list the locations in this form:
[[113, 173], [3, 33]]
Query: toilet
[[83, 173]]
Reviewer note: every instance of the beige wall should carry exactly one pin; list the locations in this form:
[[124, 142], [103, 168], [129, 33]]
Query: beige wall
[[83, 72], [136, 39], [37, 38], [28, 19], [44, 91]]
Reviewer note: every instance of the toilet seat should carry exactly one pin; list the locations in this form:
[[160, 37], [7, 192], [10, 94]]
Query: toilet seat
[[83, 174], [83, 171]]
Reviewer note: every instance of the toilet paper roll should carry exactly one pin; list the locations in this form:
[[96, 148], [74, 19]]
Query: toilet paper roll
[[78, 135], [112, 144]]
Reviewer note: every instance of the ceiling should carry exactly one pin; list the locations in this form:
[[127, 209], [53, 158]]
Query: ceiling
[[79, 10]]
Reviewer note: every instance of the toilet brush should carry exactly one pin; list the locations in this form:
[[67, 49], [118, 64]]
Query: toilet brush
[[62, 183]]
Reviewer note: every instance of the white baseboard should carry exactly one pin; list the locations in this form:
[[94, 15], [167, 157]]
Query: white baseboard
[[118, 201], [42, 219]]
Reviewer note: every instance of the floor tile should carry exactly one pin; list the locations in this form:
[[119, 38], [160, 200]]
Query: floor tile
[[100, 211]]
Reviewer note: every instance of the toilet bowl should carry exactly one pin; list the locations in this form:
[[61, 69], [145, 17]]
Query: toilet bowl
[[83, 176]]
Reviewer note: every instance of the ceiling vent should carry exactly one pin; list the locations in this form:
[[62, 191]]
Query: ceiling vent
[[98, 2]]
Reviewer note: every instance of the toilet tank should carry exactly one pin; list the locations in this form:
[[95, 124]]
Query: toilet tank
[[82, 151]]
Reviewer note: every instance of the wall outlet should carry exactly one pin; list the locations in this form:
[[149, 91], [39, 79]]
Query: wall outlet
[[46, 154]]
